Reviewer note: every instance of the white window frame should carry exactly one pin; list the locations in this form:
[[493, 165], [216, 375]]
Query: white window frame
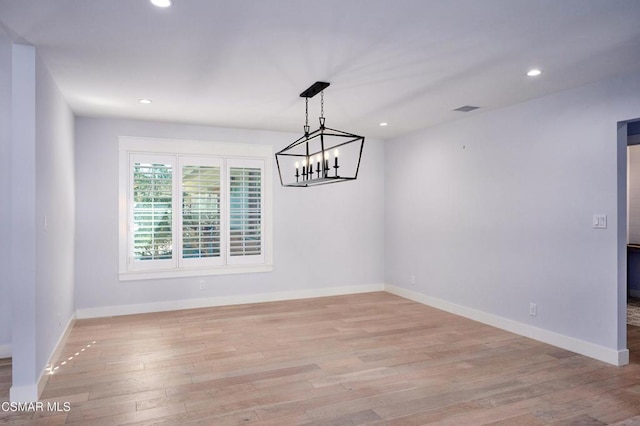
[[186, 152]]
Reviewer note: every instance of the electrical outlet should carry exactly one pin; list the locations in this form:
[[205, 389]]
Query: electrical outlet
[[533, 309], [412, 279], [203, 285]]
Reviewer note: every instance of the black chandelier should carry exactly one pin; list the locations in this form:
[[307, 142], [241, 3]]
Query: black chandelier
[[307, 161]]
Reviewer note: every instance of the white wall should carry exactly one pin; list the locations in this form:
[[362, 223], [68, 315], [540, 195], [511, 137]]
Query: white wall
[[55, 185], [5, 193], [324, 237], [22, 238], [41, 260], [494, 211]]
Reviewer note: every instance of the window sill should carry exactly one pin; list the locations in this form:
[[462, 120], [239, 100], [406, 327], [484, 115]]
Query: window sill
[[179, 273]]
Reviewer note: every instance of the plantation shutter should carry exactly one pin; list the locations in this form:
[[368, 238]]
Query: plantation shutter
[[194, 213], [201, 212], [246, 206], [152, 212]]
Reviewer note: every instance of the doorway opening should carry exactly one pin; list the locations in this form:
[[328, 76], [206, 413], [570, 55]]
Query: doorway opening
[[628, 229]]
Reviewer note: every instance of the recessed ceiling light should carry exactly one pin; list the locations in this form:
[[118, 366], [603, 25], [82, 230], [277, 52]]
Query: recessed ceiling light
[[384, 124], [534, 72], [144, 101], [161, 3]]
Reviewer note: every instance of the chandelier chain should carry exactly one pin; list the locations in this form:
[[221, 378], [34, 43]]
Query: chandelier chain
[[306, 113], [322, 104]]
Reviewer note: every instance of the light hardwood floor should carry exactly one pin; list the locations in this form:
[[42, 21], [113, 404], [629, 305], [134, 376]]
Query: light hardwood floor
[[346, 360]]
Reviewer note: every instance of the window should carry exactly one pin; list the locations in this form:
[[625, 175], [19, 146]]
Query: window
[[201, 211], [245, 211], [152, 210]]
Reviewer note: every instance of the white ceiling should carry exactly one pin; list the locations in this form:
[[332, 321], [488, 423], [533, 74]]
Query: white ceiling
[[243, 63]]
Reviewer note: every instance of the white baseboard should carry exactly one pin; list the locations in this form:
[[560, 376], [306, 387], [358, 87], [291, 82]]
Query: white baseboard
[[31, 393], [173, 305], [53, 359], [5, 351], [601, 353]]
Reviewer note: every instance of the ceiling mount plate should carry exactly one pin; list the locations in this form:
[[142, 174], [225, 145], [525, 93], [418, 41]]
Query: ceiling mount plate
[[314, 89]]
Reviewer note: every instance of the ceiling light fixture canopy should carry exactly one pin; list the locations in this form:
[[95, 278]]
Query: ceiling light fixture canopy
[[306, 162]]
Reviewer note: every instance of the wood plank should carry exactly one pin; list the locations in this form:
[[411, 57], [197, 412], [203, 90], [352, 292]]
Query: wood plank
[[370, 358]]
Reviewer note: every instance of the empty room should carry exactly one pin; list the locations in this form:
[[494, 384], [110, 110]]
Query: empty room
[[288, 212]]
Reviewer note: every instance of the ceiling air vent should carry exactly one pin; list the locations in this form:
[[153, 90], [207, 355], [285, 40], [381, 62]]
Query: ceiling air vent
[[466, 108]]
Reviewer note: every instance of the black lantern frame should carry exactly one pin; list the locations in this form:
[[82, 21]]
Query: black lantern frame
[[313, 152]]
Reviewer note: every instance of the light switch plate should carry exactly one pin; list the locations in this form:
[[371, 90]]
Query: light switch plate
[[600, 221]]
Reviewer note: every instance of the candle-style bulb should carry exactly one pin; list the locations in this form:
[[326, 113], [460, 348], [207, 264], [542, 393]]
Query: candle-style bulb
[[335, 153], [304, 162], [297, 164]]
